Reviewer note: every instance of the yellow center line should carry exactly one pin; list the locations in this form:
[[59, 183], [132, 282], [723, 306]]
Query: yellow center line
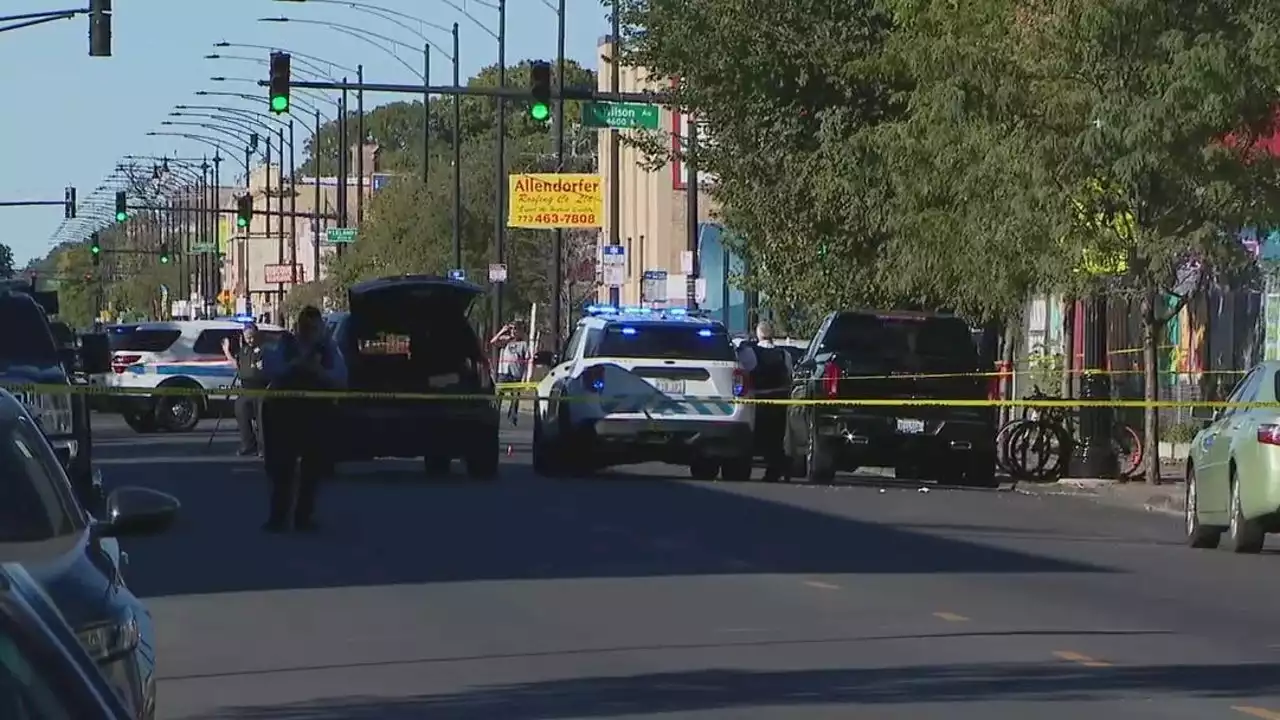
[[1257, 712], [1079, 659], [821, 585], [950, 617]]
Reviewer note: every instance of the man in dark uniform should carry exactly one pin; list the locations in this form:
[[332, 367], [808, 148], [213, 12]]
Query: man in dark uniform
[[770, 369], [295, 429], [248, 360]]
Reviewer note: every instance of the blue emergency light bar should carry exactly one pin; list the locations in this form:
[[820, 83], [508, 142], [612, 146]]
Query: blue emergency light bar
[[640, 310]]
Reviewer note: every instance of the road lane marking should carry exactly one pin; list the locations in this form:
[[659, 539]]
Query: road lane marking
[[821, 585], [1079, 659], [951, 617], [1257, 712]]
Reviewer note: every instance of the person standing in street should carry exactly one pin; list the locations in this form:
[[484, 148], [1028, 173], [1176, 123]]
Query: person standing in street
[[248, 408], [770, 369], [513, 360], [295, 430]]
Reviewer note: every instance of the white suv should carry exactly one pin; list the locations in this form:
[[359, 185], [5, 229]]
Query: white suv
[[640, 385]]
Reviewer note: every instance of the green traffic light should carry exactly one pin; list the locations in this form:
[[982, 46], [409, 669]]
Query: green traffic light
[[280, 103], [95, 249], [539, 111], [241, 222], [121, 217]]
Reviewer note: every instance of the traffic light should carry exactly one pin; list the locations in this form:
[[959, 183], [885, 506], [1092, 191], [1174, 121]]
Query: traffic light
[[69, 203], [540, 88], [280, 82], [244, 211], [122, 206], [99, 28], [95, 249], [164, 254]]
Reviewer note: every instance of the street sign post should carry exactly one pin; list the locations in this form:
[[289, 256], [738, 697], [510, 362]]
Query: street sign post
[[654, 287], [497, 273], [619, 115], [340, 236], [614, 265]]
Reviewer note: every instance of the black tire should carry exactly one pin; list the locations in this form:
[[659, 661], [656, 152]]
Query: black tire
[[545, 461], [1245, 537], [703, 469], [179, 413], [819, 465], [142, 423], [737, 469], [1198, 536], [436, 466]]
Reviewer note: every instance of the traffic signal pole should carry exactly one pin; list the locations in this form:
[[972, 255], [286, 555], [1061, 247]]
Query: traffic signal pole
[[557, 243], [615, 147]]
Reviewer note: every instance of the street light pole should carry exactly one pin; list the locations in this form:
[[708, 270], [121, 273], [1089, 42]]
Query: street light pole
[[315, 222], [293, 207], [457, 158], [342, 164], [557, 243], [359, 147], [426, 114], [215, 258], [615, 164], [500, 187], [280, 207]]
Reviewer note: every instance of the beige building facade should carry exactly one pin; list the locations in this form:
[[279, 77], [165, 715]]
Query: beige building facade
[[653, 209]]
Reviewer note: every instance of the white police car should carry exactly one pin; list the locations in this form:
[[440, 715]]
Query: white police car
[[179, 354], [642, 385]]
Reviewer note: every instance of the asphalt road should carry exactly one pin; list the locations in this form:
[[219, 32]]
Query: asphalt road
[[636, 596]]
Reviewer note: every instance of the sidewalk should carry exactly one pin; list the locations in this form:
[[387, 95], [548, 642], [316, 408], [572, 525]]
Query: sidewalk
[[1166, 498]]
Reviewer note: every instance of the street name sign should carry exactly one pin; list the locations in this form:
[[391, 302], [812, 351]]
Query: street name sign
[[341, 236], [620, 115]]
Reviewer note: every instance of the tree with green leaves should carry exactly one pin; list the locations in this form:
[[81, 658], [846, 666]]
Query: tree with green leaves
[[6, 261]]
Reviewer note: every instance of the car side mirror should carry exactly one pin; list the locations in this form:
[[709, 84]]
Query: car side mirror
[[94, 353], [63, 453], [137, 511]]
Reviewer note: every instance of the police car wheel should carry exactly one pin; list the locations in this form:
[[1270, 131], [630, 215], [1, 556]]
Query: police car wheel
[[140, 422], [179, 414], [703, 469], [819, 466]]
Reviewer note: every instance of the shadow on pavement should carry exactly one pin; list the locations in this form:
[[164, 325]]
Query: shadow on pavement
[[377, 533], [687, 692]]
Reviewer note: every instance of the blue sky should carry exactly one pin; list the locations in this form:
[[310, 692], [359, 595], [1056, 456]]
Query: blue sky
[[70, 117]]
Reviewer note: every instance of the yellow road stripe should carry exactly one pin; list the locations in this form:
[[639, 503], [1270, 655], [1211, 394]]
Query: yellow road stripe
[[1079, 659]]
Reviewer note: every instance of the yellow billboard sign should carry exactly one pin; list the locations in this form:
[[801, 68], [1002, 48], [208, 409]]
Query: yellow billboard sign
[[555, 200]]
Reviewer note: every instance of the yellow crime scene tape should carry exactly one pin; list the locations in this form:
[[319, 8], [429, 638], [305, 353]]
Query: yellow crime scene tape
[[509, 390]]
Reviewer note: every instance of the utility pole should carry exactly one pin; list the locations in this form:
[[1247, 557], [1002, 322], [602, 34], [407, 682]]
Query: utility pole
[[557, 243], [615, 147], [457, 158], [500, 186], [691, 208]]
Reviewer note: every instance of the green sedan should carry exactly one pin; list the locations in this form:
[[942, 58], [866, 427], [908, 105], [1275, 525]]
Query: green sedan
[[1233, 471]]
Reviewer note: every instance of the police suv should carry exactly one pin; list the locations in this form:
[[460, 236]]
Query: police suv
[[643, 385], [186, 355]]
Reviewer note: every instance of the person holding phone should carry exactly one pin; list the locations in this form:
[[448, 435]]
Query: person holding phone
[[513, 359], [248, 408]]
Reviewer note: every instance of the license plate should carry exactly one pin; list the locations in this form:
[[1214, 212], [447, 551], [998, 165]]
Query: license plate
[[671, 387], [909, 426], [442, 381]]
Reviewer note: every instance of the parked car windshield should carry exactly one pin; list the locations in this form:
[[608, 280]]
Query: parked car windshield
[[35, 498], [24, 333]]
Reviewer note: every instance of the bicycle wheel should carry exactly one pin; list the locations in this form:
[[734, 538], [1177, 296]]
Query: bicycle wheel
[[1002, 445], [1039, 451], [1127, 445]]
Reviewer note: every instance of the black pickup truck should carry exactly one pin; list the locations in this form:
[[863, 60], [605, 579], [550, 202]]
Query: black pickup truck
[[887, 356]]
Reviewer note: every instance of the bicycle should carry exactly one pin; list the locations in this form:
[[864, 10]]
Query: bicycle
[[1038, 446]]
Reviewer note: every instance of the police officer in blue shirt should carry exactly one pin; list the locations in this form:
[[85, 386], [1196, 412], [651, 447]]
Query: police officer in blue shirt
[[294, 429]]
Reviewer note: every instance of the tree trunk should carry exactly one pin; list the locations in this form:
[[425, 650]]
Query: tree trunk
[[1151, 332]]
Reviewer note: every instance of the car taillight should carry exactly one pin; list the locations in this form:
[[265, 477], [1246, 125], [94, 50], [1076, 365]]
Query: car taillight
[[120, 362], [1269, 434], [831, 380], [741, 383], [593, 378]]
